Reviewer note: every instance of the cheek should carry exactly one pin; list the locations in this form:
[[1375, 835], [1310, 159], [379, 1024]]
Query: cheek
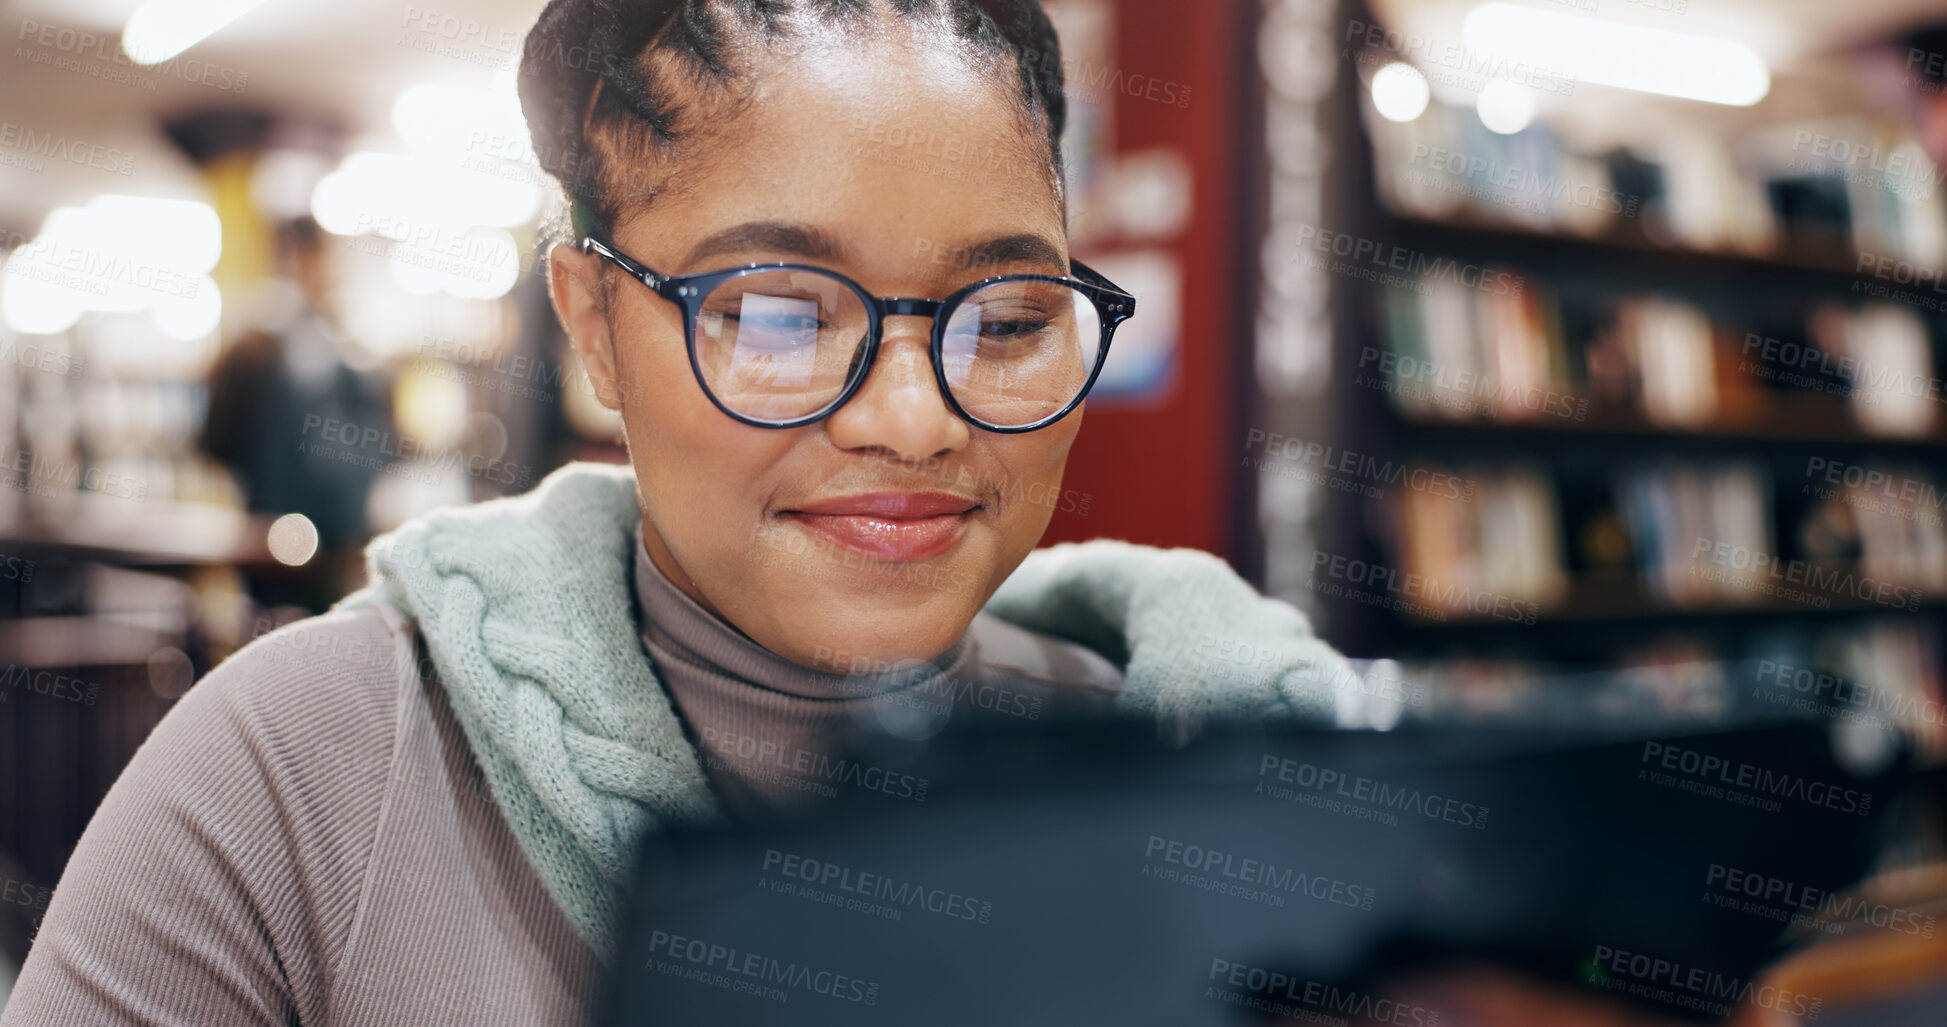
[[702, 475], [1030, 468], [651, 365]]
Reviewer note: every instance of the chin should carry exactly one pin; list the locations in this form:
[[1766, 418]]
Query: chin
[[836, 609], [875, 640]]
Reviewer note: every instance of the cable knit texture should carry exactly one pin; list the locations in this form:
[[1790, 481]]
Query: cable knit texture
[[524, 606], [1195, 641]]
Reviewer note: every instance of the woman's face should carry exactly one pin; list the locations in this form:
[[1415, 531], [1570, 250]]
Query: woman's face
[[913, 173]]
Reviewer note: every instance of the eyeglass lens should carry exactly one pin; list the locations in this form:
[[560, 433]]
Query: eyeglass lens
[[779, 345], [1016, 352]]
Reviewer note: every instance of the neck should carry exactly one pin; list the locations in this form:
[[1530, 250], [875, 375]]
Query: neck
[[758, 719]]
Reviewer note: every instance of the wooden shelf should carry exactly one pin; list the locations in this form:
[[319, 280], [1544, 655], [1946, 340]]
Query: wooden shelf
[[146, 534], [1625, 238], [1760, 420], [1613, 596], [1863, 964], [64, 642], [1787, 419]]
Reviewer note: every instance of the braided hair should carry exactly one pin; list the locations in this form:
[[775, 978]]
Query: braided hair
[[612, 70]]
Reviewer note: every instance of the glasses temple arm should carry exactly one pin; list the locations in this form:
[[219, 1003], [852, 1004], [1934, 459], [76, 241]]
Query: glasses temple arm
[[590, 244], [1093, 277]]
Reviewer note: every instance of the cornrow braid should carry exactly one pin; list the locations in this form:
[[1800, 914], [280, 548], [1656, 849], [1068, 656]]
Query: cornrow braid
[[582, 73]]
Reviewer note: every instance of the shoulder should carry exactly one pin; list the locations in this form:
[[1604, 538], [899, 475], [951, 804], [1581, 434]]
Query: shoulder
[[327, 688], [303, 724], [307, 722], [220, 877]]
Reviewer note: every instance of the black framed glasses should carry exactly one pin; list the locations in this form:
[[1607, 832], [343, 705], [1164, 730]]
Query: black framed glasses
[[784, 345]]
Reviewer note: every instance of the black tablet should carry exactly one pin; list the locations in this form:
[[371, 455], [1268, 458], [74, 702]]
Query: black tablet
[[1092, 873]]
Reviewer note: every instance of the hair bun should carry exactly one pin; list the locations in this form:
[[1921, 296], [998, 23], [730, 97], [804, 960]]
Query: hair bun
[[573, 45]]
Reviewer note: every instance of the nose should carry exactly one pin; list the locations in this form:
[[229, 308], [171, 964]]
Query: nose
[[898, 408]]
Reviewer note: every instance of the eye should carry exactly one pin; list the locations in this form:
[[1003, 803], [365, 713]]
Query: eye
[[1014, 318], [781, 323], [1012, 328], [787, 315]]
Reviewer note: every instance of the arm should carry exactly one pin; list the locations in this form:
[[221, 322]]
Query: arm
[[217, 881]]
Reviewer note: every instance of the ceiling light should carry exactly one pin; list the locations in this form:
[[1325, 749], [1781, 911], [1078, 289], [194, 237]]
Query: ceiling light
[[401, 197], [161, 29], [118, 253], [473, 122], [1611, 53]]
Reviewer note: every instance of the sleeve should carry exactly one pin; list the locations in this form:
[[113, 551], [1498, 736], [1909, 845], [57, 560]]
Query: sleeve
[[217, 882], [1194, 639]]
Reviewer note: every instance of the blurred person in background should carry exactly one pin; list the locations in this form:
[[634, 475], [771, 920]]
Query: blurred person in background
[[422, 807], [271, 395], [1914, 63]]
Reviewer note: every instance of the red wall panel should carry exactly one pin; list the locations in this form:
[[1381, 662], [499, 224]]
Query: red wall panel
[[1161, 474]]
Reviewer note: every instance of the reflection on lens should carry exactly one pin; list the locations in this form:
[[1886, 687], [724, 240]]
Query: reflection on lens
[[1018, 352], [779, 345]]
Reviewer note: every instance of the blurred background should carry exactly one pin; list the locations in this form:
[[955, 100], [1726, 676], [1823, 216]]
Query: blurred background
[[1511, 341]]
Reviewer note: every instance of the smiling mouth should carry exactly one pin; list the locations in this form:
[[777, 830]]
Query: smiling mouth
[[892, 526]]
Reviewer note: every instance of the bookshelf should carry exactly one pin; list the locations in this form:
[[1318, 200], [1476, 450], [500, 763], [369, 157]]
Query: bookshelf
[[1620, 239], [1699, 418], [1796, 421]]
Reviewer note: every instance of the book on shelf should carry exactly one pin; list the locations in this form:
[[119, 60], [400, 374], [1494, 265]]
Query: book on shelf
[[1454, 352], [1882, 359], [1805, 188], [1673, 534], [1885, 674], [1697, 530], [1499, 540]]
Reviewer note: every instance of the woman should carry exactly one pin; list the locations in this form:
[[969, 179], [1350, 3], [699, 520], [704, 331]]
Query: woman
[[417, 809]]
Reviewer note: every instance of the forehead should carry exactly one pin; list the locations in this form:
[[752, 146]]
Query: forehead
[[908, 135]]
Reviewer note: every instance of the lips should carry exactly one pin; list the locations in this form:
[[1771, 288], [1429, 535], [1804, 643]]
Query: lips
[[897, 526]]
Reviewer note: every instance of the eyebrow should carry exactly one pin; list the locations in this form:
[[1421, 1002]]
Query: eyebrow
[[810, 243], [776, 236], [1010, 249]]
